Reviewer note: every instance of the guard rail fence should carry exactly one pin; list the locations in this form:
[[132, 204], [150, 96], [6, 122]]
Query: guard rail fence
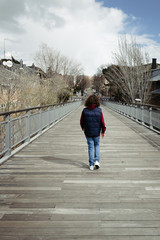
[[145, 115], [19, 128]]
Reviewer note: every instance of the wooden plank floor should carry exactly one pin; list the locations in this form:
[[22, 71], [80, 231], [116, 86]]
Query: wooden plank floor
[[47, 191]]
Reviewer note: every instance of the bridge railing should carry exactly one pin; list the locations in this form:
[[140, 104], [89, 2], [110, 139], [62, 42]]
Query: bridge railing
[[145, 115], [18, 128]]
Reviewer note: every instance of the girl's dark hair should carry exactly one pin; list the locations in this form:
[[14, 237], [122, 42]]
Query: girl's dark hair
[[92, 99]]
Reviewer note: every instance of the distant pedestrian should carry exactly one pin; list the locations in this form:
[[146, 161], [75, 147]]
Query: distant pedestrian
[[92, 123]]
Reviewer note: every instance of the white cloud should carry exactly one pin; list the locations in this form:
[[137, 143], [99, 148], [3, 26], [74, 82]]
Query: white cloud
[[150, 45], [82, 30]]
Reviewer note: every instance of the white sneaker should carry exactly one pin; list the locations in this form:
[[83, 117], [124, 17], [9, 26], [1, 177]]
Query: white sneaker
[[97, 165], [91, 168]]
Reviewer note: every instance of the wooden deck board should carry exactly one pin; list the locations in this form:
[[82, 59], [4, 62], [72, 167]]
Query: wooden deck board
[[47, 191]]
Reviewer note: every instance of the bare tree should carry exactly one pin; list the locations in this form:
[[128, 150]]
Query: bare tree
[[8, 85], [19, 90], [98, 81], [44, 57], [52, 61], [28, 91], [82, 82], [33, 91], [132, 72], [59, 67]]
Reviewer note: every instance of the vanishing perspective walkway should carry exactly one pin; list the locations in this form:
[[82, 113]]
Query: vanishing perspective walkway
[[47, 191]]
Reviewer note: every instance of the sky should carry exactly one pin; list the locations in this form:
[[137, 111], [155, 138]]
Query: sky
[[86, 31]]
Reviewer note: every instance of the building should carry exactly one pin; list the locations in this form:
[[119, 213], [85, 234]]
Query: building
[[155, 90]]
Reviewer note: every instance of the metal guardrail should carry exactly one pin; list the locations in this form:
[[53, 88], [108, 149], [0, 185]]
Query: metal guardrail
[[17, 132], [144, 115]]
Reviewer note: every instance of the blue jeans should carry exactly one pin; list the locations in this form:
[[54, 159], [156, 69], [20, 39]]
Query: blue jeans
[[93, 149]]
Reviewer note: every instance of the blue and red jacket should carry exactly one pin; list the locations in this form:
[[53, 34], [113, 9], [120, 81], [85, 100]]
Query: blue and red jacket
[[92, 121]]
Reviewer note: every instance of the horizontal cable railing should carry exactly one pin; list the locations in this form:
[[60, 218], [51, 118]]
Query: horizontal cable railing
[[147, 116], [18, 128]]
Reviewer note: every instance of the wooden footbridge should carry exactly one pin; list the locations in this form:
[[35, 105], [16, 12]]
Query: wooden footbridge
[[47, 191]]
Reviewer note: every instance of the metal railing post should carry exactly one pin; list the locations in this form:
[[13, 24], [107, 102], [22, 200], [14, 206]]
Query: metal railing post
[[48, 113], [8, 135], [53, 115], [123, 107], [127, 110], [150, 118], [142, 112], [40, 121], [135, 109], [130, 110], [28, 126]]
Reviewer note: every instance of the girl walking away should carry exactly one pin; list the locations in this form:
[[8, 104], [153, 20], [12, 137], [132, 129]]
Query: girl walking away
[[92, 123]]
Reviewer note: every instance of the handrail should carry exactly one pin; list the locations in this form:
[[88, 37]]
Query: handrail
[[156, 107], [34, 108]]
